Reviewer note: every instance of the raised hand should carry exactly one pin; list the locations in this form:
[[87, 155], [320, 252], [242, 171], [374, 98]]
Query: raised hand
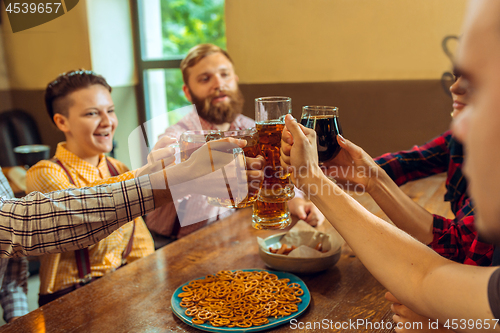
[[298, 153], [353, 165], [161, 156]]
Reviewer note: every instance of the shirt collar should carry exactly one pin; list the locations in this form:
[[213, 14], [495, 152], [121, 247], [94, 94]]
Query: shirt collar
[[89, 172]]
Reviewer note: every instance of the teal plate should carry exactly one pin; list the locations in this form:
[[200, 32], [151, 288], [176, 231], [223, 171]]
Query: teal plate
[[273, 322]]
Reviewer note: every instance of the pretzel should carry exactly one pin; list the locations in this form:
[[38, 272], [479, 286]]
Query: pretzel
[[185, 304], [239, 299], [185, 294], [260, 321], [191, 312], [198, 321], [204, 315]]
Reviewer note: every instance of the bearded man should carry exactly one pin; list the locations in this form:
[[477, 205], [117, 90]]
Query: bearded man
[[211, 84]]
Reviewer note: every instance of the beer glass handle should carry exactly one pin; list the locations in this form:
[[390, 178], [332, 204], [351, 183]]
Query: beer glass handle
[[242, 185], [177, 152]]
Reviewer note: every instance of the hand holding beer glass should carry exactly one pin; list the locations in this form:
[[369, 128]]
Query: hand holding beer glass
[[251, 150], [271, 210], [227, 163], [324, 120], [192, 140]]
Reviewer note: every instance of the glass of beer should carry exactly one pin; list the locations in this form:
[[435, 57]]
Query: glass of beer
[[250, 150], [324, 120], [270, 115], [190, 141], [271, 215]]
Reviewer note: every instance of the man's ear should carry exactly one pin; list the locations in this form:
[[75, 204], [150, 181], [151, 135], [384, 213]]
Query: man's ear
[[236, 78], [61, 122], [186, 93]]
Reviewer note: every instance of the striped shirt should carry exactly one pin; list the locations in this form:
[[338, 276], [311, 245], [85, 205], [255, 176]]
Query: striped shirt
[[59, 271], [60, 221], [70, 219]]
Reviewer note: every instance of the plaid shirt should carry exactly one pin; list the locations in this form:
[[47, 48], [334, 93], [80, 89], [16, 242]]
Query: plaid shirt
[[13, 276], [69, 219], [60, 221], [457, 238], [196, 208], [59, 270]]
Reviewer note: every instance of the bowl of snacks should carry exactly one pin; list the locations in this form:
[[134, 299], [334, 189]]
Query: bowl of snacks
[[301, 250]]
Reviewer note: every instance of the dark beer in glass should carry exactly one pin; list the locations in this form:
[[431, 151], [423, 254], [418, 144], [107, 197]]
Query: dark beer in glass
[[324, 120]]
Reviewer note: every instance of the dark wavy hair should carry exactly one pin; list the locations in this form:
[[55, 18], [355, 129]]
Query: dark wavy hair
[[65, 84]]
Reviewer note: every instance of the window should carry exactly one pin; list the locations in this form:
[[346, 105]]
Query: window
[[167, 29]]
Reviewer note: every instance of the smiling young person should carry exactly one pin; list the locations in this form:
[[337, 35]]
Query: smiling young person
[[80, 105]]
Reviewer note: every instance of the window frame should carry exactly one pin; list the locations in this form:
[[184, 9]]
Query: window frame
[[143, 65]]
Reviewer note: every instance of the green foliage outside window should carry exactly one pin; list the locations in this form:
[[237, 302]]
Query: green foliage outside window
[[186, 23]]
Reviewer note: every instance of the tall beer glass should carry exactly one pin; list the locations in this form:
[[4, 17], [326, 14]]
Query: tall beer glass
[[250, 150], [270, 115], [270, 215]]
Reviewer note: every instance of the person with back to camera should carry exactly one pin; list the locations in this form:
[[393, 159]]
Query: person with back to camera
[[418, 277], [456, 239]]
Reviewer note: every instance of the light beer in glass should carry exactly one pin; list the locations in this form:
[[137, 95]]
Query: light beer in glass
[[270, 115], [270, 215]]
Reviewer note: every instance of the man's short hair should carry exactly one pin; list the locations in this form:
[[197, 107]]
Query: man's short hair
[[65, 84], [196, 54]]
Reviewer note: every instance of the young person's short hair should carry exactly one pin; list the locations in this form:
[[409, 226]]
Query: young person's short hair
[[65, 84], [196, 54]]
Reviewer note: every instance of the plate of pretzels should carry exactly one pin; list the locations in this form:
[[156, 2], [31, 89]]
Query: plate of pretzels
[[248, 300]]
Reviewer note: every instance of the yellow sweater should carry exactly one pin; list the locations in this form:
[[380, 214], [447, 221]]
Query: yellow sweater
[[59, 271]]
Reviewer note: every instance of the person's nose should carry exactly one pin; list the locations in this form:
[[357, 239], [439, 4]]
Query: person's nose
[[106, 119], [219, 83], [457, 87]]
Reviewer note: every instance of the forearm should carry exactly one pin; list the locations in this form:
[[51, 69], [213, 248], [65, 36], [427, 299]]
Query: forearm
[[415, 274], [401, 209], [180, 178], [419, 162], [70, 219], [374, 239]]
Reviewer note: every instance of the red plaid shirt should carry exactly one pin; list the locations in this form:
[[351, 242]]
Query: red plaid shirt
[[457, 238]]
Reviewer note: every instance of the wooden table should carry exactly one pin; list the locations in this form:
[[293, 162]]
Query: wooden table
[[136, 298]]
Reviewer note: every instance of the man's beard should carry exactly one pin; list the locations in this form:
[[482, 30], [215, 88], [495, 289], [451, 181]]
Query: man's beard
[[221, 112]]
